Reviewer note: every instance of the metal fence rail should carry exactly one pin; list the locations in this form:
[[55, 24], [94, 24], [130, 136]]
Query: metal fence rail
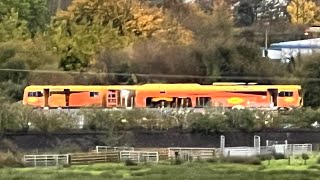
[[241, 151], [110, 148], [264, 150], [139, 156], [46, 160], [298, 149], [163, 152], [191, 153]]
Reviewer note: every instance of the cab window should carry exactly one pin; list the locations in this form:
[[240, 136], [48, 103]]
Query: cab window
[[35, 94], [285, 94], [94, 94]]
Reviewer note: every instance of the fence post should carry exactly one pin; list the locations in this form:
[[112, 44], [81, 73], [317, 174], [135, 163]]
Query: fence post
[[257, 144], [222, 144], [157, 157], [222, 141], [35, 161], [57, 160], [69, 159], [46, 160]]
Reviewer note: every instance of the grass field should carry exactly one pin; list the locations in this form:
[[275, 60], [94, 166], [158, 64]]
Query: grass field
[[278, 169]]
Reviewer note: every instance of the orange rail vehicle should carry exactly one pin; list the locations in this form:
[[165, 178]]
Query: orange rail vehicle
[[229, 95]]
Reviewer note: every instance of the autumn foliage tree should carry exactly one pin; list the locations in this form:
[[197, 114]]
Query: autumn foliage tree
[[302, 11], [87, 27]]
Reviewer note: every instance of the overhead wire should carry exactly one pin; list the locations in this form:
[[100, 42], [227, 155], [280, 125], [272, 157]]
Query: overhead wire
[[252, 78]]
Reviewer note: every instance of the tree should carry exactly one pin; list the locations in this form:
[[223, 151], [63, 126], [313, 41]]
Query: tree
[[245, 15], [19, 51], [271, 10], [305, 157], [211, 31], [34, 12], [88, 27], [302, 11], [152, 57], [12, 28], [23, 55], [309, 68]]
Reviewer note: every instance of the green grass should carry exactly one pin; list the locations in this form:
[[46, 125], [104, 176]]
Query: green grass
[[278, 169]]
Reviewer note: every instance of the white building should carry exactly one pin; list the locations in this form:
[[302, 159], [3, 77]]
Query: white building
[[286, 50]]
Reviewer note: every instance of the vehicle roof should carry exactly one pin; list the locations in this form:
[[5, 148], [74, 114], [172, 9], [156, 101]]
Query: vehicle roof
[[194, 87]]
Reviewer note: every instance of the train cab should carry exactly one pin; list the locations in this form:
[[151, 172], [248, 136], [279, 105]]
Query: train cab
[[289, 97], [64, 96], [34, 96]]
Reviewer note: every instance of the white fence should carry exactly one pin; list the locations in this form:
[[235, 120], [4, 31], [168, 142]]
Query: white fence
[[191, 153], [109, 148], [293, 149], [46, 160], [286, 149], [139, 156], [240, 151]]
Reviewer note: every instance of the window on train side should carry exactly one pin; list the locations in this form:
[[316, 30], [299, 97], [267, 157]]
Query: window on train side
[[285, 94], [94, 94], [203, 101], [35, 94]]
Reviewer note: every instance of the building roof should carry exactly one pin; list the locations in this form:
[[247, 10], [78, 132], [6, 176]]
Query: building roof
[[300, 44]]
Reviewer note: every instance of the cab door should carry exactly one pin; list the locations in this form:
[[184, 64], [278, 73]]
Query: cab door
[[57, 99], [273, 94]]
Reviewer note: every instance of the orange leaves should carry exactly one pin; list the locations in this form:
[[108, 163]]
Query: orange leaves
[[302, 11], [130, 17]]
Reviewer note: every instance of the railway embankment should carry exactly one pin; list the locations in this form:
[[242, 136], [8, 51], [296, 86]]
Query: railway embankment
[[84, 141]]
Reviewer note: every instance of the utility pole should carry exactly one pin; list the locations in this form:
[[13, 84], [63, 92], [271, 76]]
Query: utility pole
[[58, 6], [266, 40]]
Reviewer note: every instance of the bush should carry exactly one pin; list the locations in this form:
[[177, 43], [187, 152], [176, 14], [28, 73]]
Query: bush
[[243, 160], [130, 162], [177, 161], [299, 118], [305, 157], [265, 157], [17, 117], [209, 122], [278, 156], [8, 146], [212, 160], [67, 146], [10, 160], [245, 119], [315, 167], [53, 121]]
